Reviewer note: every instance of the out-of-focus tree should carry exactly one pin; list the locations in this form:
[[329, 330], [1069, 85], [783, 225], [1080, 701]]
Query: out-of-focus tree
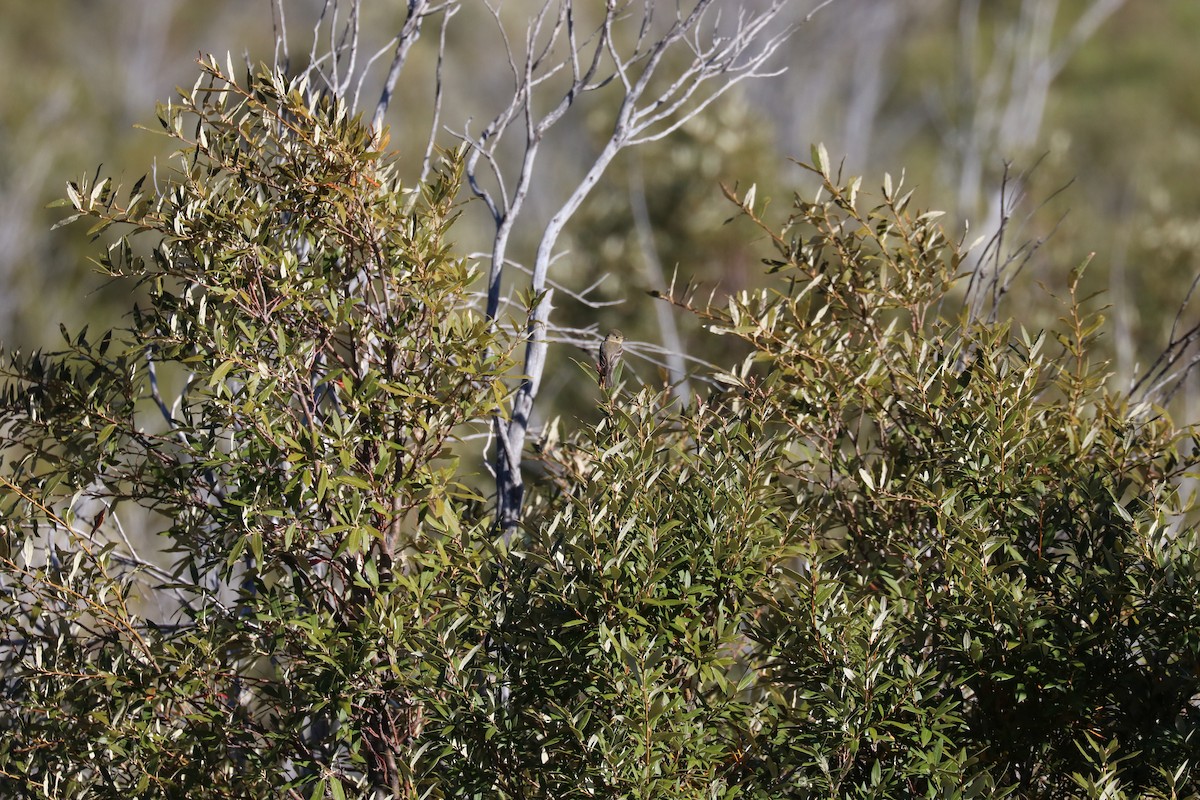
[[1091, 97]]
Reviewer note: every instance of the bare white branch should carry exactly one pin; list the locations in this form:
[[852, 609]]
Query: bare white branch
[[666, 66], [653, 105]]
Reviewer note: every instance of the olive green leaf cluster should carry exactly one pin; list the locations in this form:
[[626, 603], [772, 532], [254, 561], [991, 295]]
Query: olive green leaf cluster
[[1000, 570], [897, 552], [900, 554], [280, 422]]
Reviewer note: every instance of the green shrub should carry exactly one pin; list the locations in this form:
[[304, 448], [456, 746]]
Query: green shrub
[[898, 553]]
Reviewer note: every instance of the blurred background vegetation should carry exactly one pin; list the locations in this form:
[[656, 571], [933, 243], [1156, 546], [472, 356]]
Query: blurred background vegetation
[[1090, 105]]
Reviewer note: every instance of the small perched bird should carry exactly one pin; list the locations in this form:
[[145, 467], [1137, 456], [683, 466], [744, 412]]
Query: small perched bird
[[610, 354]]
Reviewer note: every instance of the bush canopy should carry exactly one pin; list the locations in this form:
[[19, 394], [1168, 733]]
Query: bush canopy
[[248, 550]]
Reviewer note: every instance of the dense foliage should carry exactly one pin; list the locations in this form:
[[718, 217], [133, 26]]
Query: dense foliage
[[897, 553]]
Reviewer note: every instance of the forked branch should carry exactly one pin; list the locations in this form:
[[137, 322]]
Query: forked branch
[[668, 73]]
